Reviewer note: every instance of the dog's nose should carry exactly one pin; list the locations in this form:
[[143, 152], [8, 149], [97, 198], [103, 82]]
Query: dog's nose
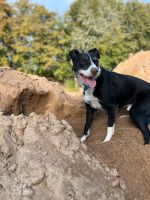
[[94, 71]]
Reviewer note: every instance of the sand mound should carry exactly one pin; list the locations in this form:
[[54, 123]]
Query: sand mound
[[41, 157], [22, 93], [137, 65]]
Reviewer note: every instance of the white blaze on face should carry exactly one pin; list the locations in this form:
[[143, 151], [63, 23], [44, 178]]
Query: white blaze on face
[[87, 72], [86, 77], [110, 132]]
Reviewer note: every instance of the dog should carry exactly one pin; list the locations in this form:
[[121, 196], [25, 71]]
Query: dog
[[108, 90]]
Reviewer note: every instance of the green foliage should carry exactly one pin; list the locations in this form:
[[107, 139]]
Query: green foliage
[[93, 21], [6, 49], [112, 26], [39, 41], [35, 40], [136, 22], [70, 86]]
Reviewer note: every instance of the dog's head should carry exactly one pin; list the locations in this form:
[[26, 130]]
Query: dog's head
[[85, 66]]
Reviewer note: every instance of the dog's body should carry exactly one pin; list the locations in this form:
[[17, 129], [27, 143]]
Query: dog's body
[[110, 90]]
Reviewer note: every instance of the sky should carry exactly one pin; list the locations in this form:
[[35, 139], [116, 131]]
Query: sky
[[59, 6]]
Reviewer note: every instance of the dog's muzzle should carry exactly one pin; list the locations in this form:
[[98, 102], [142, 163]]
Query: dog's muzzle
[[94, 71]]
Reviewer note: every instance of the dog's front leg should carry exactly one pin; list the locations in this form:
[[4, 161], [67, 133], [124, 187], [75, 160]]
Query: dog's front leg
[[89, 117], [111, 123]]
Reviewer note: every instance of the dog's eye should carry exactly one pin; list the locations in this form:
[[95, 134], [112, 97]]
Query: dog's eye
[[83, 60]]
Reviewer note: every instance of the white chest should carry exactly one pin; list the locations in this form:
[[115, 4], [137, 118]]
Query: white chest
[[89, 98]]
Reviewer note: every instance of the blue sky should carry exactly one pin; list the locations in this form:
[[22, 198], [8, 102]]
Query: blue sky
[[59, 6]]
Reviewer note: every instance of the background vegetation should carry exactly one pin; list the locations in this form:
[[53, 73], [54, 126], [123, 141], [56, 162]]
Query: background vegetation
[[35, 40]]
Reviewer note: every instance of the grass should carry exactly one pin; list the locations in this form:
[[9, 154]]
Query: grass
[[71, 86]]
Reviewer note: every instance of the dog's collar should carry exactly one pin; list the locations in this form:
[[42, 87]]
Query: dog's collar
[[85, 87]]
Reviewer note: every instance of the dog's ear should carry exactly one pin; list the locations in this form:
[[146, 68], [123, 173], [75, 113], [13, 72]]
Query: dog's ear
[[94, 52], [72, 54]]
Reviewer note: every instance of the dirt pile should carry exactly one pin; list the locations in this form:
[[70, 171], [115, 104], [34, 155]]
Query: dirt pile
[[41, 158], [39, 151], [21, 93], [136, 65]]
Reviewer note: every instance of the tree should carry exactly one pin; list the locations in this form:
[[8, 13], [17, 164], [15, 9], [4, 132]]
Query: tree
[[94, 22], [35, 40], [39, 40], [6, 49], [91, 20], [136, 23], [114, 27]]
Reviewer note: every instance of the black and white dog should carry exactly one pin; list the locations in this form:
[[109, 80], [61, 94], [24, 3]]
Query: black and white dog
[[110, 90]]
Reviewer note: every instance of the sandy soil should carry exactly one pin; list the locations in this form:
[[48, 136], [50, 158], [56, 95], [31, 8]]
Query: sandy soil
[[41, 156], [125, 152], [136, 65]]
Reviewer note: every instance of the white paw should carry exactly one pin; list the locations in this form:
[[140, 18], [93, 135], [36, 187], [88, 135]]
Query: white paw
[[129, 107], [83, 138], [105, 141]]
